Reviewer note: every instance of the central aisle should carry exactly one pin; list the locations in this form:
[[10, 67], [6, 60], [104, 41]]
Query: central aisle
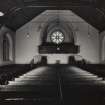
[[55, 85]]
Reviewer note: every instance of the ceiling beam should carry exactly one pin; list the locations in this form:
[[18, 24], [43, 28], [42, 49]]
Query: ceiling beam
[[18, 3], [59, 3], [99, 3]]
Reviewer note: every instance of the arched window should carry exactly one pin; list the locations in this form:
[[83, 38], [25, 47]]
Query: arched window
[[57, 37], [6, 47]]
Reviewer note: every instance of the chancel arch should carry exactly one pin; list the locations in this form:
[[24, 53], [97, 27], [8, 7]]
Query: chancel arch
[[58, 25], [58, 36]]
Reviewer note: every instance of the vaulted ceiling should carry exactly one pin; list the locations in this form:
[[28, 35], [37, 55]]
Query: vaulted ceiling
[[19, 12]]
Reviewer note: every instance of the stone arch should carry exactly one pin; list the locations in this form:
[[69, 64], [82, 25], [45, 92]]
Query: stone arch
[[10, 46]]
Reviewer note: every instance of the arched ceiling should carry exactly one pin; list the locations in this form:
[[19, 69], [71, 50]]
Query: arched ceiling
[[19, 12]]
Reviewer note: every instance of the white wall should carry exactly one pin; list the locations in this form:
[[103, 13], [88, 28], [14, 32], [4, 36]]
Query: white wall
[[28, 37]]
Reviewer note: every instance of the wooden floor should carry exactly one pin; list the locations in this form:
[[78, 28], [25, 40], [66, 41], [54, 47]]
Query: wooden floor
[[54, 85]]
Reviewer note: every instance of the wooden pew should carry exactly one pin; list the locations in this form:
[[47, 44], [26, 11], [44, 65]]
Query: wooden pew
[[10, 72]]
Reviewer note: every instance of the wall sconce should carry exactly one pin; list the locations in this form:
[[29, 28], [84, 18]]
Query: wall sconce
[[89, 31], [27, 34]]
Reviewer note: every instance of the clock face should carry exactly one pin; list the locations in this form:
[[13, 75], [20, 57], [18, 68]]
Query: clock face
[[57, 37]]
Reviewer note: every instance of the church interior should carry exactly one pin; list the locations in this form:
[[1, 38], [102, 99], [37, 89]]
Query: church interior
[[52, 52]]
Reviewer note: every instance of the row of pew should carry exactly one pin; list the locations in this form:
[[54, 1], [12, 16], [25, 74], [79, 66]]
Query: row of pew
[[37, 87], [55, 85], [97, 69], [9, 72]]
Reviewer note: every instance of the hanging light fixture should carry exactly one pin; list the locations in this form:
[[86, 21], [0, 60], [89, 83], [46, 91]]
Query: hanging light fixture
[[1, 13]]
